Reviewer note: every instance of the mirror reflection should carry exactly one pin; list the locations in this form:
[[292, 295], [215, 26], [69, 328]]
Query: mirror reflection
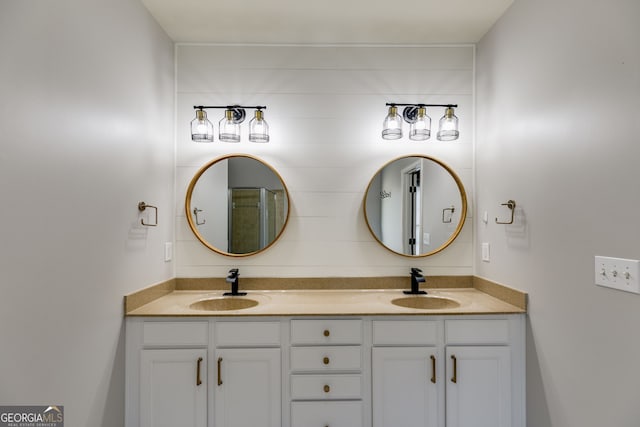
[[237, 205], [415, 206]]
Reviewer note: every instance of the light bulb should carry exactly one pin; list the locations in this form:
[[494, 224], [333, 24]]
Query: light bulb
[[258, 128], [448, 127], [201, 128], [420, 130], [392, 125], [229, 130]]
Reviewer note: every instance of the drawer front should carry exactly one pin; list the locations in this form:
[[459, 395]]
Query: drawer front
[[405, 332], [247, 334], [328, 387], [464, 332], [322, 359], [326, 414], [158, 334], [329, 331]]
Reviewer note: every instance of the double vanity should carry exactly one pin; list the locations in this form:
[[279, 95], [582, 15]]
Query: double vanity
[[326, 353]]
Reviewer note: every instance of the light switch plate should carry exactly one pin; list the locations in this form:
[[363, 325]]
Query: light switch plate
[[168, 251], [486, 253], [618, 273]]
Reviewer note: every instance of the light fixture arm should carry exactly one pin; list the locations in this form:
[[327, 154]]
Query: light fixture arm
[[410, 112], [239, 112], [228, 107], [393, 104]]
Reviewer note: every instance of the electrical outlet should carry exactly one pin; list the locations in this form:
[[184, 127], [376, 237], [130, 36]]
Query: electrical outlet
[[618, 273]]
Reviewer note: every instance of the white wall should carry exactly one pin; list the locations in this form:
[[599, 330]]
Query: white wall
[[325, 110], [558, 123], [86, 132]]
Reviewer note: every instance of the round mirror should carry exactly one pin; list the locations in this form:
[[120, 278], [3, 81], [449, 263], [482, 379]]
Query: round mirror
[[237, 205], [415, 206]]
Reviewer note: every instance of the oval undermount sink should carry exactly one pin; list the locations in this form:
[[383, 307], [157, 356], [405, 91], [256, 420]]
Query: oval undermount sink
[[223, 304], [426, 302]]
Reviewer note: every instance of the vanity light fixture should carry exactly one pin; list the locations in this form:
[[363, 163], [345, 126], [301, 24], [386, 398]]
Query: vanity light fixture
[[392, 125], [201, 127], [229, 126], [420, 122]]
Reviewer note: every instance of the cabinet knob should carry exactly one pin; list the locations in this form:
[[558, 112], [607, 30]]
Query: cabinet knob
[[327, 389], [326, 333], [325, 360]]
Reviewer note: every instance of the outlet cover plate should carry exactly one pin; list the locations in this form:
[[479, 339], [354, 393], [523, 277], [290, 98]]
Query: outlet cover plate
[[618, 273]]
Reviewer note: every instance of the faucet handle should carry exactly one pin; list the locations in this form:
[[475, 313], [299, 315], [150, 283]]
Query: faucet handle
[[234, 272], [415, 271]]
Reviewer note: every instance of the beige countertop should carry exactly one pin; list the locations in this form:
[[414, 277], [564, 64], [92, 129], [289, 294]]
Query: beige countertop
[[342, 302]]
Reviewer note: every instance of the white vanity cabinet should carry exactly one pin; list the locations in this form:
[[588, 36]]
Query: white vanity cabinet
[[248, 374], [480, 380], [326, 373], [406, 373], [453, 372], [366, 371], [172, 367]]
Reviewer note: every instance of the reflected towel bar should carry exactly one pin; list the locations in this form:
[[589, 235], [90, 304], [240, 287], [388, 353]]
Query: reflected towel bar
[[195, 212], [452, 209]]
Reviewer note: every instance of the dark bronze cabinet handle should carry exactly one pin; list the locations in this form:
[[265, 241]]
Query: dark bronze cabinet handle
[[454, 378], [198, 366], [433, 369], [219, 371]]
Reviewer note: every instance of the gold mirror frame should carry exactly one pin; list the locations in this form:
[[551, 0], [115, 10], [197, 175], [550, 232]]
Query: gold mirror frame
[[188, 209], [463, 213]]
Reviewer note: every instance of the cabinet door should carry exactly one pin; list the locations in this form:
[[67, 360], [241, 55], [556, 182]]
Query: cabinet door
[[478, 386], [173, 390], [405, 386], [248, 387]]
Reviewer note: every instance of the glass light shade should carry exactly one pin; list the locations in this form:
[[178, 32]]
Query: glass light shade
[[420, 130], [258, 128], [392, 125], [201, 128], [448, 128], [229, 130]]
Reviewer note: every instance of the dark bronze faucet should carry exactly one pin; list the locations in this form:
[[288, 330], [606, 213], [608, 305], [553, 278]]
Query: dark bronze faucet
[[233, 279], [416, 279]]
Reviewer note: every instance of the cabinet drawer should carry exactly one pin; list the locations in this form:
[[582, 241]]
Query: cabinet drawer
[[477, 331], [329, 331], [175, 334], [318, 387], [326, 358], [247, 334], [405, 332], [323, 414]]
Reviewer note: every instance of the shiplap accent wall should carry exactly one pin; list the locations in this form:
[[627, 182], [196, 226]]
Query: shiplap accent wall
[[325, 105]]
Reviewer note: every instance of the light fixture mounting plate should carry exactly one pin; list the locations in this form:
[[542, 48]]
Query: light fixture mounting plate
[[239, 114], [410, 114]]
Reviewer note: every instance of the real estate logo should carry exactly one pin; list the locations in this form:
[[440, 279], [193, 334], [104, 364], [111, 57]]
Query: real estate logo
[[32, 416]]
